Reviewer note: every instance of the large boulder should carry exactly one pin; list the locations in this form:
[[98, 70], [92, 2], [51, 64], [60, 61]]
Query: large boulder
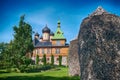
[[99, 46]]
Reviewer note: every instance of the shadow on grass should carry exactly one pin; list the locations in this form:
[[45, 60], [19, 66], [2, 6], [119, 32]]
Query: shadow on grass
[[39, 78], [2, 72]]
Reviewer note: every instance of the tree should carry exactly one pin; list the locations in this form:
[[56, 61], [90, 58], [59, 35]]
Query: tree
[[22, 43], [44, 59], [4, 56], [60, 60], [3, 47], [37, 59], [52, 59], [23, 37]]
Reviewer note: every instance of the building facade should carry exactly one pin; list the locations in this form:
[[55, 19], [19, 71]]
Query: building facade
[[50, 43]]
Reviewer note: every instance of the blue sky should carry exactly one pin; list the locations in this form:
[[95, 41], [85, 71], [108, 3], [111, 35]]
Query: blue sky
[[38, 13]]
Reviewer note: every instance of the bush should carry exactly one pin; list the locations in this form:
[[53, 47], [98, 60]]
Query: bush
[[8, 70], [37, 68], [52, 59], [15, 70], [37, 59], [46, 67], [60, 60], [33, 68], [4, 65], [22, 68], [44, 59]]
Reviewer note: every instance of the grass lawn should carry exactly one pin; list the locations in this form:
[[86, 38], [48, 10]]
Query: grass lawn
[[54, 74]]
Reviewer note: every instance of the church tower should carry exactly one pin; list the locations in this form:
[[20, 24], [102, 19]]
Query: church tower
[[58, 38]]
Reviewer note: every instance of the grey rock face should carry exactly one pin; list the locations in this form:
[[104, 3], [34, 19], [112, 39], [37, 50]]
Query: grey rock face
[[99, 11], [73, 59], [99, 47]]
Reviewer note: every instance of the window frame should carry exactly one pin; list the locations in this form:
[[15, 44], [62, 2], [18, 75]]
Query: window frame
[[43, 51], [57, 50]]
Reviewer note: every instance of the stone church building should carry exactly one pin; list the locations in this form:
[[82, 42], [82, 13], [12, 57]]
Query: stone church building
[[50, 43]]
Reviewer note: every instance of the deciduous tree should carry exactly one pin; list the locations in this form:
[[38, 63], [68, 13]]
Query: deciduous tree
[[22, 43]]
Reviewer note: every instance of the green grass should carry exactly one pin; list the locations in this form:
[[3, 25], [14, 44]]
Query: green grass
[[53, 74]]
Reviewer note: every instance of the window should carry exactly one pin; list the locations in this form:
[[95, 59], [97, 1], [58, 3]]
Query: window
[[57, 50], [37, 51], [42, 51], [58, 42], [48, 50]]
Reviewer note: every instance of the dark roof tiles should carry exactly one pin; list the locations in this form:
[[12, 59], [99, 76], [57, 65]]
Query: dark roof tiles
[[46, 29]]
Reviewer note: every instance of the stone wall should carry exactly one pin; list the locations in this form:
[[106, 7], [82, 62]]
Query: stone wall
[[73, 58]]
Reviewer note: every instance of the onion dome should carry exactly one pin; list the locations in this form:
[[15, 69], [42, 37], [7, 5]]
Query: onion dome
[[36, 34], [51, 33], [46, 29]]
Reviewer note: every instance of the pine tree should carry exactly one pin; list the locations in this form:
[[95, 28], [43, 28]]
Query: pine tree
[[60, 60], [37, 59], [52, 59], [44, 59]]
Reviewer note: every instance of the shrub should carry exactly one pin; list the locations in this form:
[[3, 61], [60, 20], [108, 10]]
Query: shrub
[[8, 70], [52, 60], [46, 67], [37, 59], [60, 60], [26, 60], [37, 68], [44, 59], [22, 68]]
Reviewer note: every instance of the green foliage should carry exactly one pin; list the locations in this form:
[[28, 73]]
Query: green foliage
[[22, 43], [35, 68], [3, 47], [44, 59], [23, 38], [22, 68], [52, 59], [5, 55], [14, 53], [25, 60], [37, 59], [60, 60]]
